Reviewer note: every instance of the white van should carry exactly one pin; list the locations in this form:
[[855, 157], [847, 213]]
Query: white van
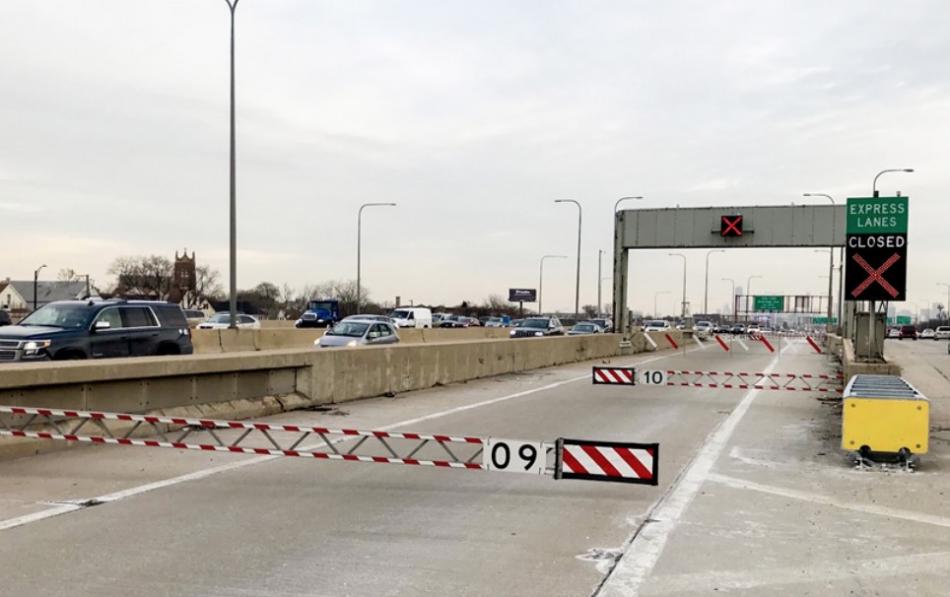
[[412, 317]]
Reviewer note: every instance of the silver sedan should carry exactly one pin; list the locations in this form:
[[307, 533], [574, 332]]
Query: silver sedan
[[358, 332]]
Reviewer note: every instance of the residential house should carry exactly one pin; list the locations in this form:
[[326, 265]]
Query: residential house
[[16, 296]]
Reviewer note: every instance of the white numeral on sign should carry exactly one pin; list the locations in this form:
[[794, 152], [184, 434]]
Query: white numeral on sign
[[513, 456], [654, 377]]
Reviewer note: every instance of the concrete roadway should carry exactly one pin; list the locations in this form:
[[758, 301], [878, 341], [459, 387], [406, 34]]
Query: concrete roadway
[[755, 498]]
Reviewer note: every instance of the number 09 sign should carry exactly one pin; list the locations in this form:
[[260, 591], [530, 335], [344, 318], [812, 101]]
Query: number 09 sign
[[514, 456]]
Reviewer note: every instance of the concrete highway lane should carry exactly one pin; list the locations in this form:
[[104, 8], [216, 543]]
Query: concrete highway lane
[[186, 523]]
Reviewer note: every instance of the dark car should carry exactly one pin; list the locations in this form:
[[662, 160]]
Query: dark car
[[64, 330], [603, 323], [908, 331], [738, 329], [538, 326], [456, 321], [5, 318]]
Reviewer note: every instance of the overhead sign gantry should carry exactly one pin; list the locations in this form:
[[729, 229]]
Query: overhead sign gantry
[[772, 226]]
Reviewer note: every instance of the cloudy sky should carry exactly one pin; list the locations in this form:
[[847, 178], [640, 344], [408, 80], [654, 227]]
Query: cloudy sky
[[473, 117]]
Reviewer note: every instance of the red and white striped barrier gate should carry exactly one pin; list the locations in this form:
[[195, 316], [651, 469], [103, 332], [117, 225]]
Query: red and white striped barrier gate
[[813, 344], [350, 445], [803, 382], [672, 342], [608, 461], [614, 375]]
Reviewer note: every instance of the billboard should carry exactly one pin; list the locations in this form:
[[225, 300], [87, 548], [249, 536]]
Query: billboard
[[522, 295]]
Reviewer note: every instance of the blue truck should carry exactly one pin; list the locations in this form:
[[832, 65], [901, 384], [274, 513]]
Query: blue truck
[[320, 313]]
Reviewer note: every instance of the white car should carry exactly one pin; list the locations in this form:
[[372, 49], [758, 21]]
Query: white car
[[893, 333], [656, 325], [942, 332], [222, 321], [928, 334], [702, 329]]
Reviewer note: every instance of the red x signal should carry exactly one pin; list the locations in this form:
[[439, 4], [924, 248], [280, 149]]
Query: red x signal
[[731, 226], [874, 275]]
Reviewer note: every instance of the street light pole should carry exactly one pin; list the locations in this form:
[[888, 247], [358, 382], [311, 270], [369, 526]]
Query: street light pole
[[830, 276], [683, 313], [733, 295], [577, 282], [541, 278], [600, 262], [656, 294], [232, 5], [36, 278], [706, 292], [359, 249], [871, 323], [748, 293], [831, 265], [617, 203]]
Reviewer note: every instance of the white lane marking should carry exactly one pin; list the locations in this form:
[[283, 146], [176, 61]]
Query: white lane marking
[[822, 573], [642, 552], [28, 518], [65, 508], [816, 498]]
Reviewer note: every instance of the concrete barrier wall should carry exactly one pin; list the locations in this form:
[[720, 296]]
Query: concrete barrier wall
[[248, 384], [278, 338]]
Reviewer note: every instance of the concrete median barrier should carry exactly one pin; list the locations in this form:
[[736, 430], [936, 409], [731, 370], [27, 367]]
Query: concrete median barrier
[[230, 384], [281, 338]]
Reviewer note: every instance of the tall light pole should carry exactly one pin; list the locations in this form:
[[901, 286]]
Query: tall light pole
[[706, 292], [748, 293], [733, 295], [617, 203], [655, 295], [232, 5], [36, 278], [541, 277], [871, 323], [683, 312], [359, 248], [831, 266], [830, 276], [577, 282], [600, 279]]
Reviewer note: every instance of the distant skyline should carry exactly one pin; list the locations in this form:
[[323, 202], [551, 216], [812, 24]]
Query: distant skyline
[[474, 118]]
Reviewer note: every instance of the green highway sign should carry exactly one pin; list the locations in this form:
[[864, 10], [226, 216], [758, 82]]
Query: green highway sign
[[768, 303], [899, 320], [824, 320], [877, 215]]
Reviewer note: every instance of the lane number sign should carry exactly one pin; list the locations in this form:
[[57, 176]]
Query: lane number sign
[[513, 456], [653, 377]]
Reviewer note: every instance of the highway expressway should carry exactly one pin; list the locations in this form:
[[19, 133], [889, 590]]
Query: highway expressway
[[755, 498]]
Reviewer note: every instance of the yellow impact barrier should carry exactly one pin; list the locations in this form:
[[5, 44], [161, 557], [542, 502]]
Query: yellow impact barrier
[[883, 414]]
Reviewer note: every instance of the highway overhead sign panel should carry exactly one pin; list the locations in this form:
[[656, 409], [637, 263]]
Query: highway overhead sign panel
[[766, 303], [724, 227], [522, 295], [876, 254]]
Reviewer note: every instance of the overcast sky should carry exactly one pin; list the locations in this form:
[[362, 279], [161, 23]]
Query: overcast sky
[[473, 117]]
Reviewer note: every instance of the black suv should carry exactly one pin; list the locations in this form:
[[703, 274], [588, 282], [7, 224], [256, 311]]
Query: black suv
[[97, 329], [538, 326]]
